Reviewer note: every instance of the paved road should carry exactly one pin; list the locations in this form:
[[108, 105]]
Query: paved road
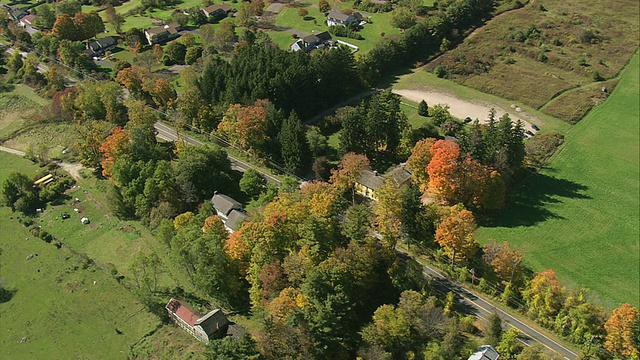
[[168, 133], [481, 308]]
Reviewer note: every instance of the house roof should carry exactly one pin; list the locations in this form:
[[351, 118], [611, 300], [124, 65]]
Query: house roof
[[311, 39], [213, 321], [235, 219], [485, 352], [225, 204], [102, 43], [370, 179], [156, 30], [18, 13], [324, 36], [337, 15], [183, 311], [398, 174], [29, 18], [172, 28], [212, 8]]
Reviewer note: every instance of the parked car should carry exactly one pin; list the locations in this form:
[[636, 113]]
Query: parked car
[[534, 127]]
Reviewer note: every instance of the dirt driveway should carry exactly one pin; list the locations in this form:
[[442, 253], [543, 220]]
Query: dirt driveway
[[463, 108]]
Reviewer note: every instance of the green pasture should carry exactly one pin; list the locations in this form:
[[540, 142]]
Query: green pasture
[[56, 311], [580, 215]]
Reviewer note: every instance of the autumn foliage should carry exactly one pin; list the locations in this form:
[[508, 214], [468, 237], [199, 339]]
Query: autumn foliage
[[544, 297], [419, 161], [623, 329], [455, 234], [115, 145], [246, 126], [505, 262]]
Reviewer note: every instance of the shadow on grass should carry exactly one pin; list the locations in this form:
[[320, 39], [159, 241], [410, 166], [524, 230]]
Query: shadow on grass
[[529, 203]]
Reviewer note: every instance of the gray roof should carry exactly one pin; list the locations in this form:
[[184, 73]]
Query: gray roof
[[333, 14], [211, 8], [235, 219], [311, 39], [213, 322], [370, 179], [485, 352], [398, 174], [324, 36], [225, 204]]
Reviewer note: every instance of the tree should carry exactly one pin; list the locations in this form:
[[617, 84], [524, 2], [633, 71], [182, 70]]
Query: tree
[[318, 143], [440, 114], [419, 161], [623, 331], [46, 17], [505, 262], [510, 346], [146, 269], [423, 108], [321, 168], [225, 35], [18, 186], [207, 34], [163, 93], [323, 6], [253, 183], [65, 28], [115, 145], [388, 213], [229, 348], [402, 18], [302, 12], [92, 135], [389, 330], [176, 51], [533, 352], [353, 135], [257, 7], [15, 62], [544, 297], [87, 25], [201, 171], [455, 234], [193, 54], [116, 20], [357, 223], [68, 7], [349, 170], [293, 145], [443, 170], [493, 334]]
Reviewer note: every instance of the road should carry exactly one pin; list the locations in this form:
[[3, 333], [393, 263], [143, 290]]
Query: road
[[168, 133], [481, 308]]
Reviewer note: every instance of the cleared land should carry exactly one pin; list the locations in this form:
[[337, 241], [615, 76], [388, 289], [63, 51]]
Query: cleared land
[[57, 311], [580, 215], [537, 53]]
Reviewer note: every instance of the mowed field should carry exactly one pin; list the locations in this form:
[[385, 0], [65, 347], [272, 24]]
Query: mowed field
[[580, 215], [57, 311]]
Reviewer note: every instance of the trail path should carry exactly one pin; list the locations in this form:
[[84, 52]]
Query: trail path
[[464, 108], [73, 169]]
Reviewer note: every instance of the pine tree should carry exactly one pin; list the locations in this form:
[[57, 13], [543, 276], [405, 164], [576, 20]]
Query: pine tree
[[293, 145], [423, 108]]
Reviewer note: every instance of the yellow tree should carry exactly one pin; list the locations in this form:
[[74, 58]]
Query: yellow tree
[[419, 160], [455, 234], [623, 327], [388, 213], [544, 297], [505, 262]]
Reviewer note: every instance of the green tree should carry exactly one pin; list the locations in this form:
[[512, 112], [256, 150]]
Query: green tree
[[318, 143], [15, 62], [253, 183], [323, 6], [403, 18], [493, 334], [68, 7], [509, 346], [390, 330], [46, 17], [176, 52], [357, 223], [293, 145], [229, 348], [17, 186], [116, 20], [423, 108], [202, 170]]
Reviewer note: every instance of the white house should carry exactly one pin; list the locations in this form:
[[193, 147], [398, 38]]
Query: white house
[[340, 19], [485, 352], [229, 211]]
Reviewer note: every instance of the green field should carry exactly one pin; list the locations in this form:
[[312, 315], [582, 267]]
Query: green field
[[56, 308], [580, 215]]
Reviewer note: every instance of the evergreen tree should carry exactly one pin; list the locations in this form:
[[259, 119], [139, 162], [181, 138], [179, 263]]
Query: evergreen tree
[[423, 108], [293, 145]]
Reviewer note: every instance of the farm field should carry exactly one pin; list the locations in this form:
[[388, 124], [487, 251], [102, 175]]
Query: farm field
[[57, 311], [580, 215], [564, 45]]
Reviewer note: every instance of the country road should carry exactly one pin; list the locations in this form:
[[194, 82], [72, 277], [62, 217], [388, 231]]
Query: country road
[[482, 309], [168, 133]]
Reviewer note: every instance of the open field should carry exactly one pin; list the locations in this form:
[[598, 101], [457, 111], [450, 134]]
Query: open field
[[551, 47], [56, 306], [580, 215], [421, 81]]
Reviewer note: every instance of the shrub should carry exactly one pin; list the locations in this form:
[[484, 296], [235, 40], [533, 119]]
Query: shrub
[[540, 148], [440, 71]]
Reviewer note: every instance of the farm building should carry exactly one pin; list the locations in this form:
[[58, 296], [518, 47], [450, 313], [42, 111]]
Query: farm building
[[369, 181], [204, 328]]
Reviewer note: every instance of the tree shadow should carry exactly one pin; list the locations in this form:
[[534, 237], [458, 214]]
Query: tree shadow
[[530, 200]]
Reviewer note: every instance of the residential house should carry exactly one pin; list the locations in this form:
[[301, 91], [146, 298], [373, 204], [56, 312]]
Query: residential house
[[218, 11], [369, 181], [229, 211], [485, 352], [204, 328], [27, 20], [340, 19], [313, 41], [100, 46], [161, 34]]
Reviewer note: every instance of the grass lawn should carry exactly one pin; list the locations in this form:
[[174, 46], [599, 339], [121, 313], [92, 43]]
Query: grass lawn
[[580, 215], [17, 107], [55, 305]]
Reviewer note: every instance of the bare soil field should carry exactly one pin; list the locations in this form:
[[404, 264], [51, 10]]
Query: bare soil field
[[537, 53]]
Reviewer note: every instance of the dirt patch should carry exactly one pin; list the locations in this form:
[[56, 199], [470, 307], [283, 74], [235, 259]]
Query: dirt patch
[[463, 108], [73, 169]]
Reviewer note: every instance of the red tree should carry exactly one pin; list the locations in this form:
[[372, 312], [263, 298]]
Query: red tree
[[622, 331]]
